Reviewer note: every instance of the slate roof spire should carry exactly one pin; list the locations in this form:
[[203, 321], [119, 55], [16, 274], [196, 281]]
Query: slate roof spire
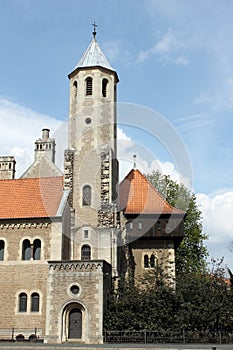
[[94, 56]]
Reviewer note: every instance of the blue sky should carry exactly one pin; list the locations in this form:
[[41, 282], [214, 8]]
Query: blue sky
[[172, 56]]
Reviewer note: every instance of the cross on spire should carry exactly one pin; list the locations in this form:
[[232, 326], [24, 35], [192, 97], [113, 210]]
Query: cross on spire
[[94, 31]]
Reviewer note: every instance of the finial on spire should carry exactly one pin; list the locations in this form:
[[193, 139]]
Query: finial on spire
[[94, 31], [134, 163]]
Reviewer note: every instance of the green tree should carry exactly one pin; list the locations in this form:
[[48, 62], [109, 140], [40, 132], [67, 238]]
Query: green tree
[[202, 302], [192, 252]]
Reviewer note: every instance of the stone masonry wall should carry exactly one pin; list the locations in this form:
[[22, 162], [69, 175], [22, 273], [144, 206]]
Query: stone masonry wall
[[89, 277]]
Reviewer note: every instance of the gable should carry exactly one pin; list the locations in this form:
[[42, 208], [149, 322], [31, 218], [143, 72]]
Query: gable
[[138, 196]]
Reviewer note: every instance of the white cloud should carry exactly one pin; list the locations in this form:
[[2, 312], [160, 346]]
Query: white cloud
[[203, 98], [182, 60], [145, 161], [218, 223], [168, 49], [20, 127], [168, 43]]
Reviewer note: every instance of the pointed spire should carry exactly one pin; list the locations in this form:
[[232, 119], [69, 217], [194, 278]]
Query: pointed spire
[[93, 56]]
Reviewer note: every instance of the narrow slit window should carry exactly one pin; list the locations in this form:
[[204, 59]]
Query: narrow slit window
[[75, 88], [2, 250]]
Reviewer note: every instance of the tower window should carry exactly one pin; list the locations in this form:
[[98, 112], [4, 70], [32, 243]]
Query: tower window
[[86, 252], [35, 302], [2, 248], [89, 86], [75, 89], [86, 195], [23, 302], [104, 87], [85, 233]]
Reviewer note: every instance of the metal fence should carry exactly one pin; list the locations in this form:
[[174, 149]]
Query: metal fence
[[21, 334], [183, 336]]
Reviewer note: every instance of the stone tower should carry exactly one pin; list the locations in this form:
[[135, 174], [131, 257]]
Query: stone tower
[[7, 167], [91, 167]]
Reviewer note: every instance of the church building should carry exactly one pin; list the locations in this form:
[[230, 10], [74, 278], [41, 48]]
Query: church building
[[67, 237]]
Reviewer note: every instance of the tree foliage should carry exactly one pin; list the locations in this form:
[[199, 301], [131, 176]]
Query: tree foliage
[[192, 253], [201, 302]]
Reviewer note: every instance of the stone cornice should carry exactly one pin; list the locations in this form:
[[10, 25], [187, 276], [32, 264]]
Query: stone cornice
[[79, 265], [24, 225]]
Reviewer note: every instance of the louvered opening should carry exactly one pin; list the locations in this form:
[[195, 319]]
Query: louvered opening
[[89, 86]]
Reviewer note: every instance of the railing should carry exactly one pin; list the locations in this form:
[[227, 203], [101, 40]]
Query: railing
[[21, 334], [167, 337]]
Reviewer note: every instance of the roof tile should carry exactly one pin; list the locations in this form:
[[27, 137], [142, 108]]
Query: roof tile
[[138, 196], [30, 197]]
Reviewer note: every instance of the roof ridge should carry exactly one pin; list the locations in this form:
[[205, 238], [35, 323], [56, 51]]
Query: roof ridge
[[32, 178]]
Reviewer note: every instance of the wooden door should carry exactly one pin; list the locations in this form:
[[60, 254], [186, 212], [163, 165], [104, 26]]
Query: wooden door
[[75, 324]]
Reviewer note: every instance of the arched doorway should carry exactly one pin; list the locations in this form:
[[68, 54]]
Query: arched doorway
[[75, 323]]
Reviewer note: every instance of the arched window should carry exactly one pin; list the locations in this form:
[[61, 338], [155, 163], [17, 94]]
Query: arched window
[[104, 87], [36, 249], [86, 252], [86, 195], [75, 88], [89, 86], [35, 302], [152, 261], [146, 261], [26, 250], [23, 302], [2, 249]]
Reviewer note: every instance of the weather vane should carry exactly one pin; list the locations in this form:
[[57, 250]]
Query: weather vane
[[134, 164], [94, 31]]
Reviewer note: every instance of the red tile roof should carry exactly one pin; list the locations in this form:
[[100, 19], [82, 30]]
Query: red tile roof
[[138, 196], [30, 197]]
